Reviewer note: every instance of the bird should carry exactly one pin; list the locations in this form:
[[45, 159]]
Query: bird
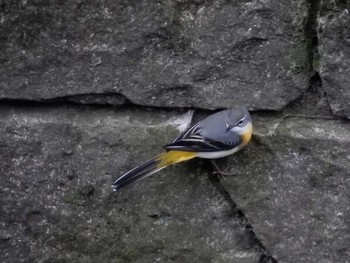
[[218, 135]]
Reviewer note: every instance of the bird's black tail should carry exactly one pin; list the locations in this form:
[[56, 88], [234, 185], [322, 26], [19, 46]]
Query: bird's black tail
[[152, 166], [137, 173]]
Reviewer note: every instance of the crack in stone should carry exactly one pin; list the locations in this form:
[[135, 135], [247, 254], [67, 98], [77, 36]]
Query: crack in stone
[[66, 101], [310, 31], [238, 214], [107, 98], [311, 37]]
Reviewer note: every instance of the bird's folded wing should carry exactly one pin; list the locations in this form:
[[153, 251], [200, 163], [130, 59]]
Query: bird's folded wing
[[193, 141], [193, 145], [194, 130]]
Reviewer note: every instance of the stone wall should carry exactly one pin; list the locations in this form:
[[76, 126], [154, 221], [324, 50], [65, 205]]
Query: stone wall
[[90, 89]]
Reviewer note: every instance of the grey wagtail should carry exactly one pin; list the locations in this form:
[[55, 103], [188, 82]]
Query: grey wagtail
[[218, 135]]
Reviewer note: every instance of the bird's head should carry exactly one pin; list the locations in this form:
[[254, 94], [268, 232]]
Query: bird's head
[[239, 121]]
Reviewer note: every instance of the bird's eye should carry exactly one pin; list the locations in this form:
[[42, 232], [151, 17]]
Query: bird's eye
[[239, 123]]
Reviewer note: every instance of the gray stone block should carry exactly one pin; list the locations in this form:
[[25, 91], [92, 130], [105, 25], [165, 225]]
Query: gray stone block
[[334, 54], [203, 54], [292, 184], [57, 205]]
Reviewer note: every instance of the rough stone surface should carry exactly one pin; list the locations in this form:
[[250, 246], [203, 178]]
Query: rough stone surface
[[293, 186], [203, 54], [57, 166], [334, 52], [289, 200]]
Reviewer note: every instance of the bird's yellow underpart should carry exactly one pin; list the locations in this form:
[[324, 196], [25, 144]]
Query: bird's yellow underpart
[[247, 135], [172, 157]]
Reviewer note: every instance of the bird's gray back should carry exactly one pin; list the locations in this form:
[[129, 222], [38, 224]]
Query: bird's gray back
[[214, 127]]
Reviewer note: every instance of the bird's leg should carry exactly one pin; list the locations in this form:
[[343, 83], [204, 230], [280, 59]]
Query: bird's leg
[[219, 171]]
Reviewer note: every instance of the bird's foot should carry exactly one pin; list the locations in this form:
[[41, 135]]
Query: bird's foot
[[220, 172]]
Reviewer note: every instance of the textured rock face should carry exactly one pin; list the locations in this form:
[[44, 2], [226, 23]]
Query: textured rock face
[[204, 54], [334, 51], [289, 200], [295, 192], [56, 200]]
